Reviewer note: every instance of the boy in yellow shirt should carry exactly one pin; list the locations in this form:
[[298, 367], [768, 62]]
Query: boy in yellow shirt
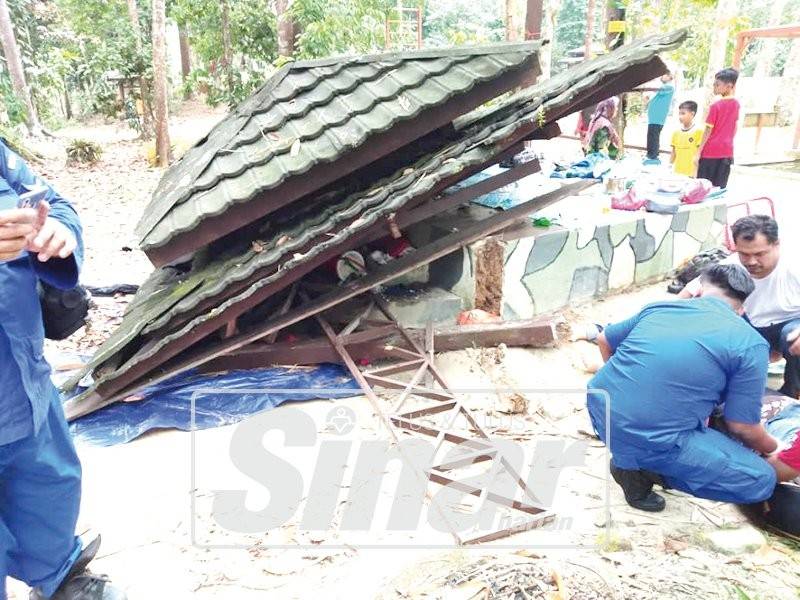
[[686, 141]]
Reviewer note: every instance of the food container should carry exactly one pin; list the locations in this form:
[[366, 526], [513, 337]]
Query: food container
[[615, 185]]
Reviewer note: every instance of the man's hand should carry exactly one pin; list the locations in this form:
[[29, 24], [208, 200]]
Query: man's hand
[[53, 237], [794, 342], [17, 227]]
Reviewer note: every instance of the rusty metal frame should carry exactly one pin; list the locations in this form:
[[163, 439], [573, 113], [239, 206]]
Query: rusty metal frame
[[442, 401]]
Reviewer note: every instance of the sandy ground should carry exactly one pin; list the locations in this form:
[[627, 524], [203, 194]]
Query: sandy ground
[[159, 543]]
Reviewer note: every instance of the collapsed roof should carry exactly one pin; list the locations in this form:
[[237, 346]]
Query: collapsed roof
[[313, 122], [256, 212]]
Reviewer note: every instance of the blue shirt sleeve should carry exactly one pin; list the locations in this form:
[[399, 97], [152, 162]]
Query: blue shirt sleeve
[[59, 272], [616, 333], [745, 387], [665, 90]]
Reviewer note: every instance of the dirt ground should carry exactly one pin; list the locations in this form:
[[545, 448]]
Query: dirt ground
[[152, 499]]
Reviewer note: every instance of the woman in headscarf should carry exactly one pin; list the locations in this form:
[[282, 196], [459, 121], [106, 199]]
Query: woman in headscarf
[[601, 135]]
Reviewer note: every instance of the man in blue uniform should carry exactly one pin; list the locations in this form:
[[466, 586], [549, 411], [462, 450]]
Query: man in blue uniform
[[40, 475], [667, 369]]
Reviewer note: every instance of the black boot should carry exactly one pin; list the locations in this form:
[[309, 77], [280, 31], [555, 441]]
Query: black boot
[[81, 584], [638, 488]]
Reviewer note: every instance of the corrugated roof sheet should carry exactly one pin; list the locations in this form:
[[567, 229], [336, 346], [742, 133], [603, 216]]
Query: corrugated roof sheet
[[166, 308], [308, 113]]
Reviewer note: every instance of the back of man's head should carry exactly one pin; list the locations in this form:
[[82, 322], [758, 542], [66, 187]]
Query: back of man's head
[[731, 281], [747, 228]]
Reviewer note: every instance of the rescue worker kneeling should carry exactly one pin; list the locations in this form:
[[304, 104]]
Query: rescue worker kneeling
[[666, 370]]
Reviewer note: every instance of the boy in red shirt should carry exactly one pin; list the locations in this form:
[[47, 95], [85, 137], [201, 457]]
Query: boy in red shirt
[[716, 148], [786, 462]]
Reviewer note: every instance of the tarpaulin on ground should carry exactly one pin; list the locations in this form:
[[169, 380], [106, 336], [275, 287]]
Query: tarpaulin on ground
[[219, 400]]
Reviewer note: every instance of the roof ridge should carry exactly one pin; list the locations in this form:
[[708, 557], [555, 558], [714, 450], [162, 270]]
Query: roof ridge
[[424, 54]]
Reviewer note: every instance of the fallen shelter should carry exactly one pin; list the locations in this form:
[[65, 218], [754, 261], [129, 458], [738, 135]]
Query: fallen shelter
[[326, 157]]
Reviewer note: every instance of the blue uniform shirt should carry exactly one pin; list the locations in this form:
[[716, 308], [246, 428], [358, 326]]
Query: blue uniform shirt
[[672, 364], [25, 386], [658, 107]]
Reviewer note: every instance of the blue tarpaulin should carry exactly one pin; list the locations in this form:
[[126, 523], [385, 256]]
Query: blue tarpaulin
[[168, 405]]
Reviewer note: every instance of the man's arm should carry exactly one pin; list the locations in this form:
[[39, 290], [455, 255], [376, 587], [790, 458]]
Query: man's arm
[[605, 347], [711, 120], [753, 436], [612, 336], [58, 245], [743, 397], [706, 135]]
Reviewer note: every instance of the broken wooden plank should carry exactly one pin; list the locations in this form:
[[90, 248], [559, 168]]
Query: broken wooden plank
[[536, 333]]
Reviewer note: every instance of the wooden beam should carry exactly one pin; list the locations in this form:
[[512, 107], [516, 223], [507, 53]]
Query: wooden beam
[[536, 333]]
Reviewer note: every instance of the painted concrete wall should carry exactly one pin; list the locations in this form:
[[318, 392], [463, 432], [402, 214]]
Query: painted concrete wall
[[558, 267]]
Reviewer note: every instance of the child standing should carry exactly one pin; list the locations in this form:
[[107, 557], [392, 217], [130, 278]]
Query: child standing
[[686, 142], [716, 147], [657, 111]]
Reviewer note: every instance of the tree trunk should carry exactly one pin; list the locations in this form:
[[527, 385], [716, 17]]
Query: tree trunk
[[186, 59], [285, 28], [615, 13], [67, 103], [15, 70], [144, 85], [226, 45], [133, 17], [724, 16], [534, 17], [160, 83], [588, 40], [186, 56], [511, 21], [767, 55], [549, 21]]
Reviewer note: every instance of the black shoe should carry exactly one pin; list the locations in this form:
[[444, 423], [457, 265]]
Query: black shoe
[[82, 584], [638, 488]]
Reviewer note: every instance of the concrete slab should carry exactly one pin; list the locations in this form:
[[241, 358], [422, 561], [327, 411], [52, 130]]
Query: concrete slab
[[431, 303]]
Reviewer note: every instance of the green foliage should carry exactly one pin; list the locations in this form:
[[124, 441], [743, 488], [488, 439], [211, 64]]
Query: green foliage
[[646, 17], [15, 111], [244, 83], [331, 27], [570, 28], [463, 22], [83, 152], [253, 43], [253, 28]]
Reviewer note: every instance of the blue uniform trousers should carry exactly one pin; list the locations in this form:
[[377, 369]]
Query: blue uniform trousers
[[40, 492], [704, 463]]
